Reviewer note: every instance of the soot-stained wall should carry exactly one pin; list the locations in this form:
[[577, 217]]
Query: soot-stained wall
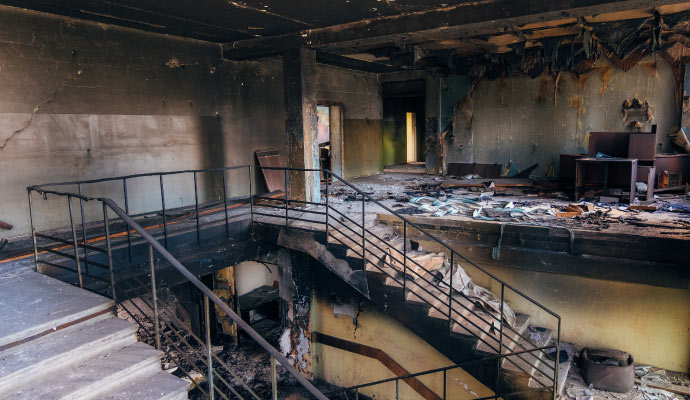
[[360, 96], [82, 100], [526, 121]]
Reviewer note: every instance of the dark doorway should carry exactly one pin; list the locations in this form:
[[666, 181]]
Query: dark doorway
[[403, 122]]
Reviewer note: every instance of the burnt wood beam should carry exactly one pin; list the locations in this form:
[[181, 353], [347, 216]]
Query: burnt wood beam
[[460, 21], [336, 60]]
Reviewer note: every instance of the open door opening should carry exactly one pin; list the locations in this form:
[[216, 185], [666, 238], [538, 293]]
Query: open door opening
[[330, 137], [411, 119]]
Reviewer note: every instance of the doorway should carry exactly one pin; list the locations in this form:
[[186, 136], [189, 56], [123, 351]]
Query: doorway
[[411, 119], [330, 137]]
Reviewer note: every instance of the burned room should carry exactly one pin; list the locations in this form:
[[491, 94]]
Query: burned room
[[352, 199]]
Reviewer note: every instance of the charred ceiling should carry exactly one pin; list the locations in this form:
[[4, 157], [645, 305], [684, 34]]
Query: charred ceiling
[[228, 20]]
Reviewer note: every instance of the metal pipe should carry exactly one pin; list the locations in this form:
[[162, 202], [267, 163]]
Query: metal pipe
[[450, 296], [83, 230], [274, 379], [251, 198], [129, 235], [287, 190], [33, 230], [558, 354], [500, 345], [155, 298], [364, 240], [404, 260], [109, 250], [209, 348], [216, 300], [327, 179], [165, 218], [225, 207], [196, 209], [74, 240]]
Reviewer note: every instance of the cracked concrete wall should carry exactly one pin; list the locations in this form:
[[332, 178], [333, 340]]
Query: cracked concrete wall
[[81, 100], [526, 121]]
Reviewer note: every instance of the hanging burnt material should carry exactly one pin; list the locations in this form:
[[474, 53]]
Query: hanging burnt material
[[625, 43]]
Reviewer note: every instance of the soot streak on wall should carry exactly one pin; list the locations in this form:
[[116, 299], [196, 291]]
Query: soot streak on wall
[[525, 121]]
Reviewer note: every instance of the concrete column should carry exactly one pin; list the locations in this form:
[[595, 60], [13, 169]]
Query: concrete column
[[299, 75], [432, 130]]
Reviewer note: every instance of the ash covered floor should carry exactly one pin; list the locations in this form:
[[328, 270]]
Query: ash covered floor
[[542, 205]]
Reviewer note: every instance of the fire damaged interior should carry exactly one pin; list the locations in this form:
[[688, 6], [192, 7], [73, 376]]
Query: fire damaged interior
[[376, 199]]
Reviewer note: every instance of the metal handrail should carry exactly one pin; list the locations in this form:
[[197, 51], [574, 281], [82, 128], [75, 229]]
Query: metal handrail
[[153, 244], [365, 197], [124, 215], [215, 299]]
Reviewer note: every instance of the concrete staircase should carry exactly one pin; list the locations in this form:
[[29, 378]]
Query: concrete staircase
[[61, 342], [425, 311], [423, 308]]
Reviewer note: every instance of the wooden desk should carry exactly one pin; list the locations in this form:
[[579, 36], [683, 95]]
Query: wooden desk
[[605, 163]]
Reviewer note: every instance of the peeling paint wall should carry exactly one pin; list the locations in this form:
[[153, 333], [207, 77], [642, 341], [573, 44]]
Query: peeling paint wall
[[526, 121], [359, 94]]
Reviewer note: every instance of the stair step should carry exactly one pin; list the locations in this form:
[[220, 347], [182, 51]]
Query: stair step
[[538, 380], [421, 292], [34, 360], [33, 304], [527, 363], [511, 337], [160, 386], [96, 376]]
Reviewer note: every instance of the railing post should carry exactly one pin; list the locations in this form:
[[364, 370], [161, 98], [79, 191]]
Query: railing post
[[33, 230], [165, 218], [404, 260], [287, 191], [251, 196], [327, 179], [225, 206], [357, 394], [364, 240], [129, 235], [83, 230], [450, 295], [558, 356], [445, 372], [74, 239], [196, 209], [109, 250], [397, 389], [274, 379], [500, 344], [155, 298], [209, 349]]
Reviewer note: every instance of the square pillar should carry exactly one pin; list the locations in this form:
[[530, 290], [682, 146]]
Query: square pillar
[[301, 126]]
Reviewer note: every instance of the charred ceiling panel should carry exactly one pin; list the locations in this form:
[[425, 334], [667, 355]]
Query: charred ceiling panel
[[225, 20]]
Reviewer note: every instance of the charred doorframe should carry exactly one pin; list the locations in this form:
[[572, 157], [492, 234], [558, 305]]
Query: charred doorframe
[[336, 116]]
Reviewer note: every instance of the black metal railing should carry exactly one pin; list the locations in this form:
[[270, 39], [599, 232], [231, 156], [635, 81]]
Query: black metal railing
[[158, 251], [356, 391], [154, 224], [445, 299]]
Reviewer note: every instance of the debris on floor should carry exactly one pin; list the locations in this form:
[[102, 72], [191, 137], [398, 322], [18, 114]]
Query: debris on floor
[[649, 385], [610, 370]]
